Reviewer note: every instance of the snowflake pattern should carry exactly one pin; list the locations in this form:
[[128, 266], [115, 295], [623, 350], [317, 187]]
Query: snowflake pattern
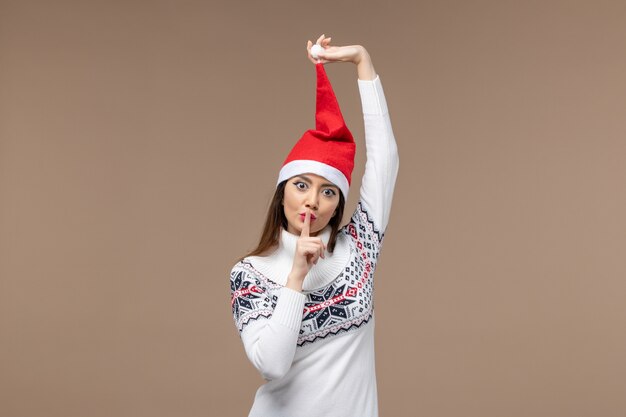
[[249, 300]]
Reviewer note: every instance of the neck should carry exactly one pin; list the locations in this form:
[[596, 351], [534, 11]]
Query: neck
[[277, 264]]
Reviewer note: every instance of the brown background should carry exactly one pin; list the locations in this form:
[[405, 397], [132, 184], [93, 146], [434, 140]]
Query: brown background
[[140, 142]]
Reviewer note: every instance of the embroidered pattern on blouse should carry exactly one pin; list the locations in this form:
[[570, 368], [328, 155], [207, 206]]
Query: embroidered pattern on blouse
[[250, 299], [343, 305]]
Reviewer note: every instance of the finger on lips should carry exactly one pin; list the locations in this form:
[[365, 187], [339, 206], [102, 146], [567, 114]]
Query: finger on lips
[[307, 224]]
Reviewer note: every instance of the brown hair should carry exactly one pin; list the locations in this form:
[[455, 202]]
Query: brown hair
[[276, 220]]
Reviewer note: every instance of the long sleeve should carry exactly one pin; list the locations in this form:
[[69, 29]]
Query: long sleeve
[[269, 325], [381, 168]]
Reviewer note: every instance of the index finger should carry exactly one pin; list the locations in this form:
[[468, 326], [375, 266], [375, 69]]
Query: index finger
[[306, 227]]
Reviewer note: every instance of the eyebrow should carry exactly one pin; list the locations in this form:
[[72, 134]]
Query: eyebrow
[[307, 179]]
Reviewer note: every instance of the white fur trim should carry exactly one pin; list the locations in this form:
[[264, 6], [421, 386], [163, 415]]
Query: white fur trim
[[303, 166]]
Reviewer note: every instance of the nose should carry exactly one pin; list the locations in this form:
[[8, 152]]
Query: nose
[[311, 201]]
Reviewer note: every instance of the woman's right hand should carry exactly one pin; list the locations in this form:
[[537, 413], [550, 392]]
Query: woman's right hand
[[308, 251]]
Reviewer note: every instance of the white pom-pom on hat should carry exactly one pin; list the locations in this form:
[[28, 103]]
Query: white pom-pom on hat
[[315, 50]]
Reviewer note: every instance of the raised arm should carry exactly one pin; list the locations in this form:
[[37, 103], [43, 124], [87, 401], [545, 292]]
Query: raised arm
[[381, 168]]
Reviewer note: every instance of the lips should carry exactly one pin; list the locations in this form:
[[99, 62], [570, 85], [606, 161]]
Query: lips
[[303, 215]]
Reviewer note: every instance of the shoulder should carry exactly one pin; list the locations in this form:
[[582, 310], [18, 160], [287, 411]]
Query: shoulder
[[242, 276], [363, 220], [363, 233], [239, 266], [250, 299], [243, 270]]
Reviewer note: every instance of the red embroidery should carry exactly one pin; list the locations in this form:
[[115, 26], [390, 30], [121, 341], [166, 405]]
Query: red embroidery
[[245, 291]]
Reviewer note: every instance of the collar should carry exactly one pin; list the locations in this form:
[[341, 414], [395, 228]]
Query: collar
[[277, 265]]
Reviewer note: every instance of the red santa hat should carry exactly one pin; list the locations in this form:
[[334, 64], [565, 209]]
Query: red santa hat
[[328, 150]]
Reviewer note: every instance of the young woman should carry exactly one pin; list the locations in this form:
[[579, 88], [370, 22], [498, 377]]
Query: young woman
[[303, 299]]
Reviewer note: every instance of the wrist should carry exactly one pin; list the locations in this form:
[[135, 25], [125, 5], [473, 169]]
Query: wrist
[[361, 53], [296, 274], [364, 66], [294, 283]]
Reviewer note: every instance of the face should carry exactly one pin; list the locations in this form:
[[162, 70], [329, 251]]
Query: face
[[312, 192]]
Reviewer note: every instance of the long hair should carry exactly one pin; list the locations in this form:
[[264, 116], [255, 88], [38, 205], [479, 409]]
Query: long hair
[[276, 220]]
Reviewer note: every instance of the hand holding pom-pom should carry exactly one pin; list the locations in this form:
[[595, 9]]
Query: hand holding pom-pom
[[322, 52]]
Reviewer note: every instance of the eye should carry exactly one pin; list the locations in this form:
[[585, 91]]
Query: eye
[[328, 192], [300, 185]]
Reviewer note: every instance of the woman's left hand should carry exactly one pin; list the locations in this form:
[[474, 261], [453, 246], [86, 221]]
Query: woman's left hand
[[353, 53]]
